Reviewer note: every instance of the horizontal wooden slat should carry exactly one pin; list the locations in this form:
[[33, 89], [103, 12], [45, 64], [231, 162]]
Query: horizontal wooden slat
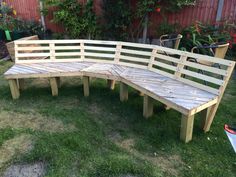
[[206, 68], [166, 66], [135, 52], [67, 47], [21, 55], [167, 58], [99, 55], [109, 49], [98, 60], [198, 85], [32, 48], [68, 54], [135, 59], [203, 77]]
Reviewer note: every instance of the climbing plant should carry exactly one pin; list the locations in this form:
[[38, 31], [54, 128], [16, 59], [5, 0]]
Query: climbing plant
[[78, 20]]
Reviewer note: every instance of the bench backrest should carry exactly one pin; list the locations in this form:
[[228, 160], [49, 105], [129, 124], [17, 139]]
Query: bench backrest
[[168, 62]]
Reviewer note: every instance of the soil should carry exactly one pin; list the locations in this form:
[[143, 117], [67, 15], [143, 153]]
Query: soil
[[3, 50]]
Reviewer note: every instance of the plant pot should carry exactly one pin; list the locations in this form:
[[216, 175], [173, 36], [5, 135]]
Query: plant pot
[[8, 35]]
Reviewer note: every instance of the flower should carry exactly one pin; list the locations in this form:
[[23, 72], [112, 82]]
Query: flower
[[158, 9]]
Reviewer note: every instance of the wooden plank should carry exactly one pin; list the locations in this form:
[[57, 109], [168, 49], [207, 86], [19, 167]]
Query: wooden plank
[[152, 58], [102, 55], [68, 54], [58, 79], [186, 129], [204, 114], [21, 84], [123, 92], [206, 68], [166, 58], [105, 49], [52, 51], [180, 66], [14, 89], [54, 87], [147, 106], [23, 55], [86, 86], [67, 47], [221, 92], [32, 48], [135, 59], [132, 65], [136, 52], [203, 77], [111, 84], [165, 66]]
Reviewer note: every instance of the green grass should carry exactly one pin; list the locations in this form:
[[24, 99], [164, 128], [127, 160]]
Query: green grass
[[100, 136]]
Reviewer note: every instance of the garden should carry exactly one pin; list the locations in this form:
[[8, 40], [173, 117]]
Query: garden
[[73, 135]]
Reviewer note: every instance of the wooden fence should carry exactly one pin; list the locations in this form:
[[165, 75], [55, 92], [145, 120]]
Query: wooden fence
[[205, 11]]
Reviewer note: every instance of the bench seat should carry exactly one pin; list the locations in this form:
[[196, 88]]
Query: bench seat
[[179, 94], [182, 95], [50, 69], [159, 73]]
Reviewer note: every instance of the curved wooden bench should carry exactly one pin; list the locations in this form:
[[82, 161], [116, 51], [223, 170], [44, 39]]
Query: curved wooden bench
[[161, 74]]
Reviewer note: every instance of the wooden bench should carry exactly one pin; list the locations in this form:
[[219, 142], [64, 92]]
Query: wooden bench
[[173, 81]]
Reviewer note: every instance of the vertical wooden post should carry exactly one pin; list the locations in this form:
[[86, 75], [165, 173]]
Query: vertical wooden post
[[204, 114], [54, 87], [52, 51], [147, 106], [58, 82], [21, 84], [111, 84], [186, 130], [123, 92], [14, 89], [86, 85]]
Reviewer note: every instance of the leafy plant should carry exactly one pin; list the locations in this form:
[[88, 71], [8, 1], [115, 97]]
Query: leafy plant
[[118, 17], [202, 34], [78, 20], [166, 28]]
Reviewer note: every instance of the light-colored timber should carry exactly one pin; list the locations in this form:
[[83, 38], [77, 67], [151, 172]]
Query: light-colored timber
[[14, 89], [123, 92], [159, 73], [86, 85], [54, 86], [147, 106]]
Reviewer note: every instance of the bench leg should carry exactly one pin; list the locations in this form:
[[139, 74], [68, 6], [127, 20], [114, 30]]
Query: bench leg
[[15, 92], [111, 84], [58, 82], [54, 87], [186, 129], [204, 114], [123, 92], [21, 84], [86, 85], [147, 106], [210, 117]]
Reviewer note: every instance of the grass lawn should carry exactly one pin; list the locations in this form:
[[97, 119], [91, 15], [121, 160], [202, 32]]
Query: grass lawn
[[100, 136]]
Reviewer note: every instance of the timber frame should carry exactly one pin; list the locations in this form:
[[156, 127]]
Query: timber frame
[[159, 73]]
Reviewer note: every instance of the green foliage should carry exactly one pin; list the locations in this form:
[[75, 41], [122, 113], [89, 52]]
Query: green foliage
[[78, 20], [202, 34], [118, 17], [166, 28]]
